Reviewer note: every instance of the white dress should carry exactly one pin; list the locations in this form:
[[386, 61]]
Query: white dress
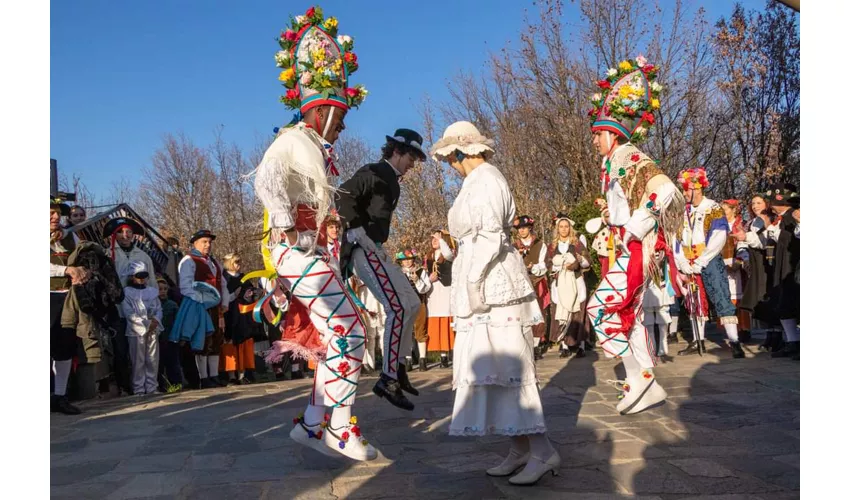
[[495, 380]]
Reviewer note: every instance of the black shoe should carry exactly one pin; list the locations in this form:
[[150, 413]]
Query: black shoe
[[221, 382], [208, 383], [544, 347], [404, 382], [299, 375], [537, 354], [423, 365], [768, 341], [564, 353], [737, 350], [745, 337], [60, 404], [408, 364], [390, 389], [673, 338], [580, 353], [444, 361], [788, 351], [691, 349], [250, 377]]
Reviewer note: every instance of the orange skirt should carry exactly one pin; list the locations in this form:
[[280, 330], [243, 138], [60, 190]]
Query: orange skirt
[[237, 357], [441, 336]]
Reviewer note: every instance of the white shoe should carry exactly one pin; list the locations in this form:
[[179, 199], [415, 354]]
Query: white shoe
[[348, 441], [511, 464], [310, 436], [536, 468], [641, 394]]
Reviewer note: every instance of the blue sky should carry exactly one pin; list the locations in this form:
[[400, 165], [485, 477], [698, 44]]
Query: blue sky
[[124, 73]]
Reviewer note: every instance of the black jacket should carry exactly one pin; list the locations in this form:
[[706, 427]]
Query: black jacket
[[368, 200]]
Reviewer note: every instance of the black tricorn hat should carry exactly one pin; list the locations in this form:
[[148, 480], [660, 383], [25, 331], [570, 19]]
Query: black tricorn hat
[[203, 233], [409, 138], [114, 224], [63, 209]]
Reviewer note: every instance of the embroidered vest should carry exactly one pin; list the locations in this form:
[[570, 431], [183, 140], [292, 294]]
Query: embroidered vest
[[205, 274]]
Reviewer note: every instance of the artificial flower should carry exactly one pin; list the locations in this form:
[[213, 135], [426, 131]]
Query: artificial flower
[[287, 75], [604, 84], [352, 92], [289, 36], [306, 78], [641, 61], [282, 58], [311, 12], [596, 97], [626, 66], [350, 57], [344, 40], [640, 131], [291, 94], [649, 117], [331, 23], [697, 185], [612, 72], [656, 87], [655, 103], [301, 20]]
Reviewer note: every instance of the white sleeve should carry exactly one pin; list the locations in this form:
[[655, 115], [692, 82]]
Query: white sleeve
[[618, 205], [186, 271], [539, 269], [487, 211], [156, 309], [423, 284], [270, 185], [57, 271], [445, 251]]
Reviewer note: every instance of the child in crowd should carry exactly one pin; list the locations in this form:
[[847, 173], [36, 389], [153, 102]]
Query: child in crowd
[[171, 375], [143, 311]]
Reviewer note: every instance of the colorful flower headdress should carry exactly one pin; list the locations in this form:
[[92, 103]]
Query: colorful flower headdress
[[316, 64], [693, 178], [628, 100], [408, 254]]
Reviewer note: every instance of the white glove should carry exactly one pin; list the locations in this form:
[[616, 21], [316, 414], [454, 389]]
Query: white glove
[[358, 235], [476, 297], [685, 267], [696, 268]]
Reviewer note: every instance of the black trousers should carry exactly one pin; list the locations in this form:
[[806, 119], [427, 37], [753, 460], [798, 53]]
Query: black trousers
[[63, 341]]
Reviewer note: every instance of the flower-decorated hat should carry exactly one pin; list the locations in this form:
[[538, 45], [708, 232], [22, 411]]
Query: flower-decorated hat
[[316, 64], [407, 254], [627, 100], [523, 221], [783, 195], [59, 206], [693, 178], [463, 137]]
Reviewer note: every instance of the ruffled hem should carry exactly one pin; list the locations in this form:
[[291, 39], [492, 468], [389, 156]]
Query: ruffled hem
[[509, 431], [463, 324], [497, 381], [281, 347]]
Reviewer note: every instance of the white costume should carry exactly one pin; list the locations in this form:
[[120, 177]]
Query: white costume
[[140, 307], [495, 380]]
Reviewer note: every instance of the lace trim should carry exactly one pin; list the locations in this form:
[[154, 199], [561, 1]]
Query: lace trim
[[485, 319], [495, 380], [507, 431]]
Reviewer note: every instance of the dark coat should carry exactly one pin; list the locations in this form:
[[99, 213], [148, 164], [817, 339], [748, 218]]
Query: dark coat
[[239, 327], [368, 200]]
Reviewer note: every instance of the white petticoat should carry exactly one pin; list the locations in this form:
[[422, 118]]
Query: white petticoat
[[495, 380]]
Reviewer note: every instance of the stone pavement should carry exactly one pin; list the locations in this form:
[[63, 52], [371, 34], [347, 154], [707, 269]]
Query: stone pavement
[[730, 429]]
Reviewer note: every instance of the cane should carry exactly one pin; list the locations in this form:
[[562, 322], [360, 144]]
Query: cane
[[693, 309]]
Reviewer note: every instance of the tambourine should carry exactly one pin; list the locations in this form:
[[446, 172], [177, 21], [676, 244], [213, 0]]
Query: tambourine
[[210, 297]]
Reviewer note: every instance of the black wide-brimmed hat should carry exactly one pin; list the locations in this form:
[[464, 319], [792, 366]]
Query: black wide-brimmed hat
[[114, 224], [409, 138], [523, 221], [63, 209], [783, 195], [203, 233]]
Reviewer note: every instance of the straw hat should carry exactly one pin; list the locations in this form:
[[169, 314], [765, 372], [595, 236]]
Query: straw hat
[[463, 137]]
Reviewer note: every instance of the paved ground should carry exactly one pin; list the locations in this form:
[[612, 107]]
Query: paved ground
[[730, 429]]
